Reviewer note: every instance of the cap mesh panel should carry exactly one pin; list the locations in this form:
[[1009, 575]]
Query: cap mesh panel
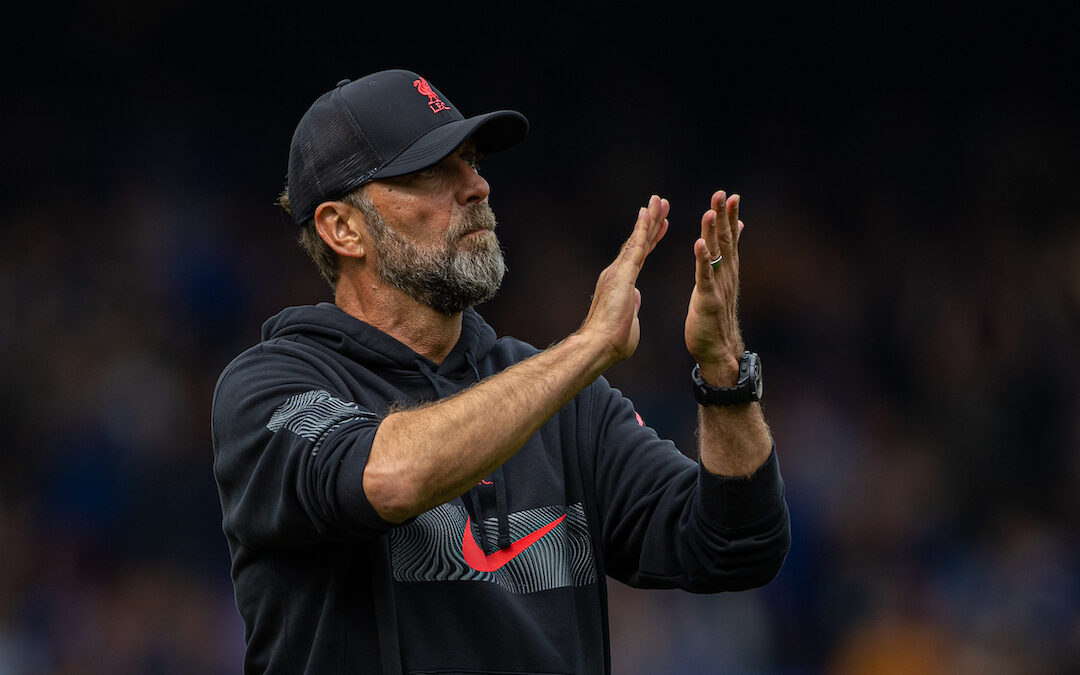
[[331, 156]]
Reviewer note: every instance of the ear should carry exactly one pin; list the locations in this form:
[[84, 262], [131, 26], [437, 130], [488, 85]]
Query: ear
[[339, 225]]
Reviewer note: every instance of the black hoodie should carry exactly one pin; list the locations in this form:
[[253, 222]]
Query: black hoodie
[[508, 578]]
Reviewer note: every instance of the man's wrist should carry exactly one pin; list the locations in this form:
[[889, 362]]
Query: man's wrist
[[720, 366], [747, 388], [602, 346], [723, 373], [599, 354]]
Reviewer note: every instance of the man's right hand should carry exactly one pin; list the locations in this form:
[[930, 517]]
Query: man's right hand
[[613, 316]]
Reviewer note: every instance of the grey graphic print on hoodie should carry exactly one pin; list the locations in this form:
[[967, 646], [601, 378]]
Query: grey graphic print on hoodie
[[507, 578]]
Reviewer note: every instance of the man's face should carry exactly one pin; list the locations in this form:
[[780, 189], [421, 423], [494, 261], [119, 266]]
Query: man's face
[[433, 234]]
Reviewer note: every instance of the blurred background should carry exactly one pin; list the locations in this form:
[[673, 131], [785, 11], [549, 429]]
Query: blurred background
[[911, 278]]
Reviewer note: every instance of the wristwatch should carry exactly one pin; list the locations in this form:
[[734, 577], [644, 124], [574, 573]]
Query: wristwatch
[[747, 390]]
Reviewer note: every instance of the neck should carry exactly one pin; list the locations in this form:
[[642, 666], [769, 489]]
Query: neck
[[414, 324]]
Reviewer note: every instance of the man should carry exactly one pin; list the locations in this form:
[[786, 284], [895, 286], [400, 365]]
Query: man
[[402, 491]]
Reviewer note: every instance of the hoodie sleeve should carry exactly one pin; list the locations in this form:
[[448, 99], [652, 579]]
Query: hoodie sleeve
[[289, 454], [668, 522]]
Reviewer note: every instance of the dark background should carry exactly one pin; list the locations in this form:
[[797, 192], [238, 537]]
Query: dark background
[[911, 277]]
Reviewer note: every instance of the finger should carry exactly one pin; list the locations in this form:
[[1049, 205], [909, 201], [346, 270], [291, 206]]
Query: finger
[[717, 201], [661, 222], [654, 206], [714, 237], [648, 230], [703, 272], [634, 251], [658, 210], [659, 234], [708, 234], [733, 203], [724, 225], [665, 208], [654, 209]]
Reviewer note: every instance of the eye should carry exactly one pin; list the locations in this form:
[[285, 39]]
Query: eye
[[473, 160]]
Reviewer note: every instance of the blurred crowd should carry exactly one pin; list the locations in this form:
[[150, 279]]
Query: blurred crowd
[[917, 318]]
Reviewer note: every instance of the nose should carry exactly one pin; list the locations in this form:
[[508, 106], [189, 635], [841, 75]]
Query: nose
[[473, 187]]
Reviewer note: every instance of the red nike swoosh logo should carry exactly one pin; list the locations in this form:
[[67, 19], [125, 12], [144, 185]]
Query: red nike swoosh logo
[[476, 559]]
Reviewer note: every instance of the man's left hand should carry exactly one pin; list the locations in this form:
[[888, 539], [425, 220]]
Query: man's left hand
[[712, 324]]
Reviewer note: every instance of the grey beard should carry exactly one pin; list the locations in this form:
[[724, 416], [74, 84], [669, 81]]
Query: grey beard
[[450, 278]]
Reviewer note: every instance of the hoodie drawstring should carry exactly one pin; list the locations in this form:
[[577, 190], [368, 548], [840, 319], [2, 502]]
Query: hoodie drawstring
[[474, 495], [472, 363], [430, 375], [500, 509], [474, 500], [498, 477]]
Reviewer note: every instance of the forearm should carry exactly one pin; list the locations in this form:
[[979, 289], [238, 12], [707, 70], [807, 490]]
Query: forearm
[[734, 441], [427, 456]]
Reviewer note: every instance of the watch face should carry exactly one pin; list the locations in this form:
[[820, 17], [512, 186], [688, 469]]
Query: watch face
[[755, 376]]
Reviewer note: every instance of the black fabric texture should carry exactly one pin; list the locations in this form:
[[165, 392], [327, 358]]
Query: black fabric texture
[[324, 585]]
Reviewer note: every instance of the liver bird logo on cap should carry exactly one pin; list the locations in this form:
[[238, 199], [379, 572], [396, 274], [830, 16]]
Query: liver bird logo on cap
[[433, 100]]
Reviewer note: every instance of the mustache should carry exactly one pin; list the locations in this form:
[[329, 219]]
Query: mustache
[[477, 217]]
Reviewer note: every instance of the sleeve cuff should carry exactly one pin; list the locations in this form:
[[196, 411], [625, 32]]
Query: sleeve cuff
[[350, 454], [738, 502]]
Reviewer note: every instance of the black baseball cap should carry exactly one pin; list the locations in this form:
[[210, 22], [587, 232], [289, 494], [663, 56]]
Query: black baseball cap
[[386, 124]]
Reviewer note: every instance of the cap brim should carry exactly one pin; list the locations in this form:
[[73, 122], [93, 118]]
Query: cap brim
[[492, 132]]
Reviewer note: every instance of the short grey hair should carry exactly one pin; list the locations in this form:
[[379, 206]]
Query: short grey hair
[[325, 258]]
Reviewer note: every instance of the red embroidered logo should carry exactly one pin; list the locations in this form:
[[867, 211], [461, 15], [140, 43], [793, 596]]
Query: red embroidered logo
[[433, 100]]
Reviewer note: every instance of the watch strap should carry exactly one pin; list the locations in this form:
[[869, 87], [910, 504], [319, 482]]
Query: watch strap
[[747, 390]]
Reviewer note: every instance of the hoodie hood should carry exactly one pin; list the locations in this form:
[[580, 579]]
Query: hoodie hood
[[328, 325]]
